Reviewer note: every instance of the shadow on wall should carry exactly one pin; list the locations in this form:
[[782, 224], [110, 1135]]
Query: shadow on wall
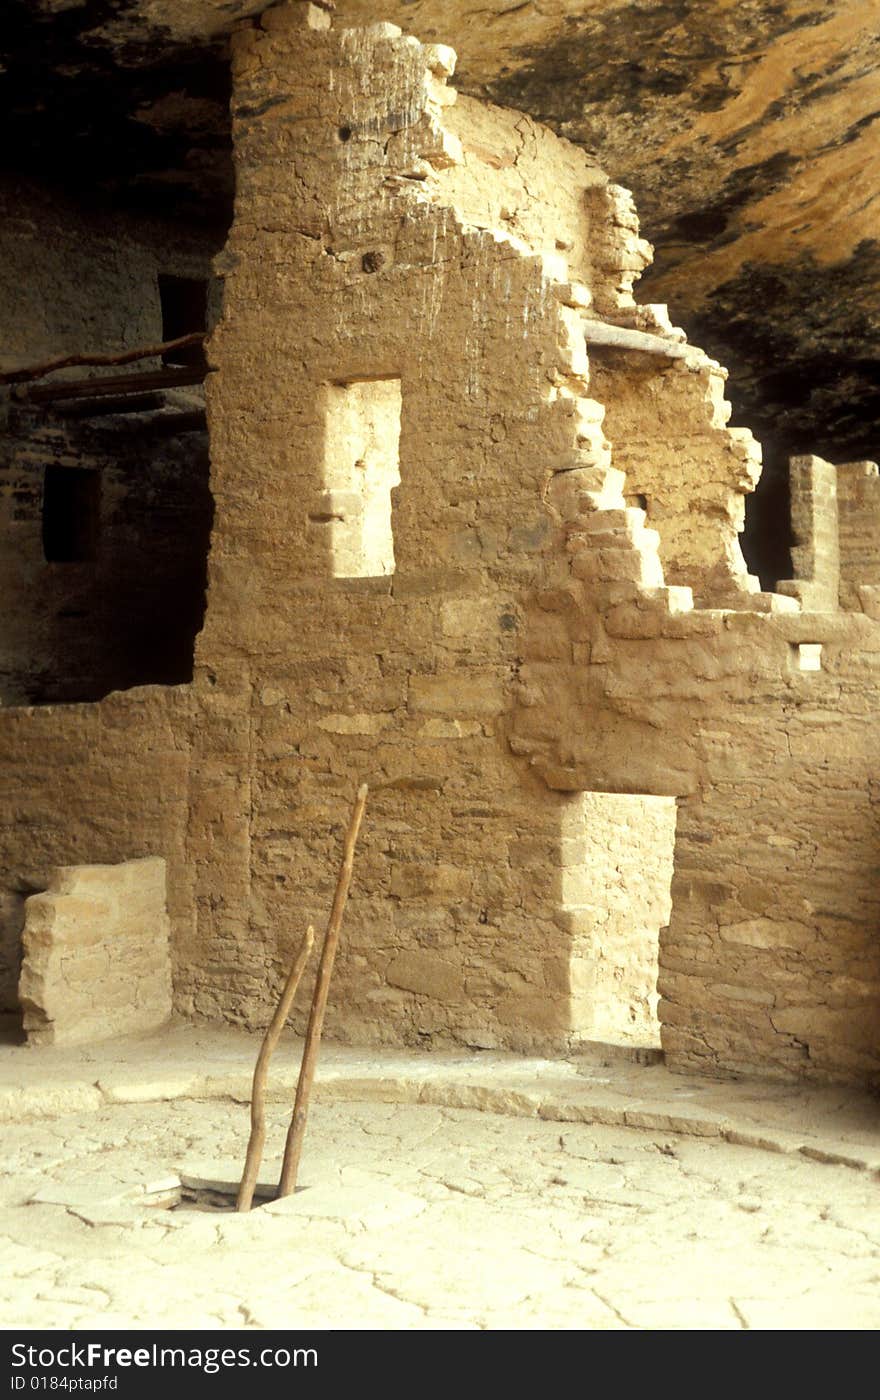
[[12, 916], [767, 537], [107, 524]]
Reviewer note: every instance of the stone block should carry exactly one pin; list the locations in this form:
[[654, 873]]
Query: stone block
[[456, 693], [427, 975], [96, 953]]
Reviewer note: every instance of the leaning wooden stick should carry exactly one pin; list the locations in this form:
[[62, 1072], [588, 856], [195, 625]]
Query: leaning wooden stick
[[297, 1130], [258, 1097]]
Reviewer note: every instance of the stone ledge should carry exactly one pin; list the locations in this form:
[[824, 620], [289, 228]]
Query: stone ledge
[[217, 1064]]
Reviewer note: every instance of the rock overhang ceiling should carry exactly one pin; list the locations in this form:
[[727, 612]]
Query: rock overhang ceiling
[[748, 130]]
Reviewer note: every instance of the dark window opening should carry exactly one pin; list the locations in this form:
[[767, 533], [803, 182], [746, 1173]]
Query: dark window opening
[[71, 510], [184, 303]]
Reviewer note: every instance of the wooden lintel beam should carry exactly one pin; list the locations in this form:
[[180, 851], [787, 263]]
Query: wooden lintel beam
[[105, 407], [117, 384]]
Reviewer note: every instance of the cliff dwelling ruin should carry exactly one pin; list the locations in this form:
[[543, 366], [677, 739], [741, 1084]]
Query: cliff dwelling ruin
[[339, 444]]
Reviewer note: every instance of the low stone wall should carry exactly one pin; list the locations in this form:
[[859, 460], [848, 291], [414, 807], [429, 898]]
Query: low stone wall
[[815, 554], [96, 953], [858, 492], [89, 785]]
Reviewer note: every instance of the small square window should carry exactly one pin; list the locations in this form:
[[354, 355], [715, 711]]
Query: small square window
[[808, 656]]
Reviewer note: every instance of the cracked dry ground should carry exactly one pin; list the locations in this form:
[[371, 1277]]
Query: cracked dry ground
[[419, 1217]]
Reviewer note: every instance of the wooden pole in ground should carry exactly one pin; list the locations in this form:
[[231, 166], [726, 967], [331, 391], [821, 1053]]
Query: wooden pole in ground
[[258, 1096], [297, 1130]]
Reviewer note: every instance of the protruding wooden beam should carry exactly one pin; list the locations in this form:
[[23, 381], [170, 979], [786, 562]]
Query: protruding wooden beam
[[622, 338], [121, 357], [98, 388], [102, 408]]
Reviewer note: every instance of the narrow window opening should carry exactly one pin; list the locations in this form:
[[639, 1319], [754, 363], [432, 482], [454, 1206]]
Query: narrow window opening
[[361, 470], [71, 510], [184, 303]]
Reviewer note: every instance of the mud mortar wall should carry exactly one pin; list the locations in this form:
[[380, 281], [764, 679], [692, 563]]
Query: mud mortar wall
[[684, 466], [771, 963], [129, 612], [75, 279], [516, 668], [510, 629], [815, 521], [858, 493], [346, 265]]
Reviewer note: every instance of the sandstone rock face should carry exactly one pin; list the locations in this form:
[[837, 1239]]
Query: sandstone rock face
[[96, 958]]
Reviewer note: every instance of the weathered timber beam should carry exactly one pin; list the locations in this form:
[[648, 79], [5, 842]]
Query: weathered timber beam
[[122, 357], [117, 384], [102, 408], [622, 338], [142, 414]]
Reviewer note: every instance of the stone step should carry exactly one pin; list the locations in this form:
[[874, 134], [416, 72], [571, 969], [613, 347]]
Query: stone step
[[627, 520], [757, 602], [676, 597], [582, 490], [618, 565]]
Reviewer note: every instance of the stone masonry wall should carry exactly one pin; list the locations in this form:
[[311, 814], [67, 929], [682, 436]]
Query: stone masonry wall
[[771, 961], [492, 641], [684, 466], [346, 265], [89, 784], [96, 956], [74, 279], [858, 491], [528, 613], [815, 527], [514, 177]]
